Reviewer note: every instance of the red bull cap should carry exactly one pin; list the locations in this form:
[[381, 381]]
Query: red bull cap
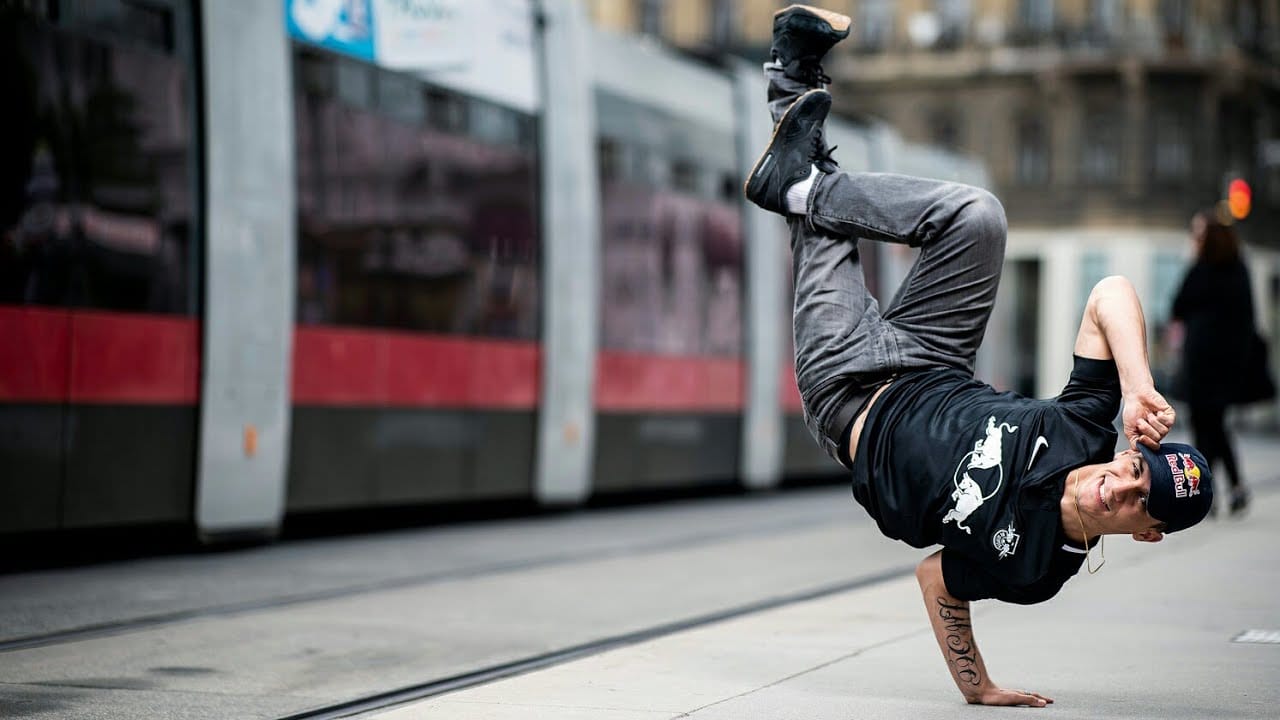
[[1181, 485]]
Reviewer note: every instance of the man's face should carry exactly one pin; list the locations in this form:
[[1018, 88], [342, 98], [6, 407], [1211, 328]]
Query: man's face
[[1113, 497]]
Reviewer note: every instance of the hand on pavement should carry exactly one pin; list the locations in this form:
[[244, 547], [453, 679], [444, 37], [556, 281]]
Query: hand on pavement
[[1000, 696]]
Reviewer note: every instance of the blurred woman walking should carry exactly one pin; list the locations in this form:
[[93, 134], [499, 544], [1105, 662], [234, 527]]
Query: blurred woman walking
[[1215, 304]]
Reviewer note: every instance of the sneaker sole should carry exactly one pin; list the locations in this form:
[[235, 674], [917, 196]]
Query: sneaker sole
[[839, 23], [767, 155]]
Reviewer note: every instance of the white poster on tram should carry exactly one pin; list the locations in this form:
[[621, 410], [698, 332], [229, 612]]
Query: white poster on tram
[[480, 47]]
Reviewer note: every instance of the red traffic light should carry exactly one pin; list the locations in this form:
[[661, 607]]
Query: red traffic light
[[1239, 198]]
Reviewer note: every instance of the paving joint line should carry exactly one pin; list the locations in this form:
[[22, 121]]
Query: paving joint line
[[414, 693], [145, 622]]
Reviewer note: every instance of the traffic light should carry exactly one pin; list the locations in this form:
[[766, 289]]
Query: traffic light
[[1239, 198]]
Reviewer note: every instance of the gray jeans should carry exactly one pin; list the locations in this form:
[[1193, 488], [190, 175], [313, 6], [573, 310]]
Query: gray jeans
[[845, 344]]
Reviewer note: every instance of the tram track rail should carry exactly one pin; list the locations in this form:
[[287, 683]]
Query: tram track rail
[[155, 620]]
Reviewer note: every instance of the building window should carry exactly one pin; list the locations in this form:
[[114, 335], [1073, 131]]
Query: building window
[[1105, 18], [874, 24], [1269, 155], [722, 26], [1173, 16], [1033, 153], [953, 22], [1248, 19], [1171, 154], [651, 17], [1100, 159], [1166, 277], [1093, 267], [1035, 17]]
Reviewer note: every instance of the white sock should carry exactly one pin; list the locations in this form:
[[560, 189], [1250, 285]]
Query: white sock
[[798, 194]]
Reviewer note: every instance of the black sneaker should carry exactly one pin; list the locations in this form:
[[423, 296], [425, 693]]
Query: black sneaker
[[796, 146], [802, 35]]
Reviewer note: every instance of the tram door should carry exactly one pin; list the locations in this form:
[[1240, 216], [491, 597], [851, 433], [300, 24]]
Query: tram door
[[99, 265]]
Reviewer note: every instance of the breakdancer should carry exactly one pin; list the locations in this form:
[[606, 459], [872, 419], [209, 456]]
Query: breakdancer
[[1017, 491]]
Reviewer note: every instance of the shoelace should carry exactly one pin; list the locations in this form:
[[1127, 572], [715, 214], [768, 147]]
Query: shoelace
[[807, 70], [822, 155]]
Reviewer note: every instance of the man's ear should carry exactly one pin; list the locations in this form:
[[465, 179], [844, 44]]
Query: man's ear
[[1148, 536]]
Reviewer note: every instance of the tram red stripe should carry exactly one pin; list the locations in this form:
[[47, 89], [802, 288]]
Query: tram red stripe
[[352, 367], [80, 356], [788, 392], [631, 382], [89, 356], [134, 359], [35, 352]]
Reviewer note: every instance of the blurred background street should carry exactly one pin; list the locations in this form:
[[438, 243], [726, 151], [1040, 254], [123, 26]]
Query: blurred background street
[[356, 353]]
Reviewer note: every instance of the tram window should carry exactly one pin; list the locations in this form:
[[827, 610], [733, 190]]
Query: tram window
[[527, 131], [446, 111], [685, 176], [656, 168], [399, 97], [138, 24], [490, 123], [354, 83], [671, 255], [635, 164], [313, 72], [728, 188], [96, 181], [417, 211], [610, 158]]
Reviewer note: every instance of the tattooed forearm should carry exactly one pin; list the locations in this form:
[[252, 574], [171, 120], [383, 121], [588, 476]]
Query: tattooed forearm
[[961, 653], [953, 629]]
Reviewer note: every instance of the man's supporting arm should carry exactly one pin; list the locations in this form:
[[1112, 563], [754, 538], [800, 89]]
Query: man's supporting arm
[[1113, 327], [954, 631]]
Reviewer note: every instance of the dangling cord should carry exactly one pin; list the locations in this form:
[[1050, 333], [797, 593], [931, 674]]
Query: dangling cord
[[1102, 539]]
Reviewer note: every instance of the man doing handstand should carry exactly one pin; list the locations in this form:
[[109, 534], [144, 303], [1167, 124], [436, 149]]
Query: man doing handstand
[[1015, 490]]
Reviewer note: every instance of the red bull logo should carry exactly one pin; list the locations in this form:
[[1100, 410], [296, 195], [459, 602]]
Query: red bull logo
[[1186, 474], [1192, 472]]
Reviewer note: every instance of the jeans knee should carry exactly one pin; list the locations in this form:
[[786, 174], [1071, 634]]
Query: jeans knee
[[985, 214]]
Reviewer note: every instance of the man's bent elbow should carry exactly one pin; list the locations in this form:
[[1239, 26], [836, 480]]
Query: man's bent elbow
[[1109, 288], [1111, 285], [929, 571]]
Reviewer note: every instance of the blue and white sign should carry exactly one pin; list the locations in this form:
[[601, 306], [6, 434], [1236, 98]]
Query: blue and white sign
[[480, 47], [342, 25]]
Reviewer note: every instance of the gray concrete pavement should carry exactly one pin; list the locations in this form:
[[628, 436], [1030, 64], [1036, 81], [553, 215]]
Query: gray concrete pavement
[[1149, 636], [285, 628], [71, 599], [517, 589]]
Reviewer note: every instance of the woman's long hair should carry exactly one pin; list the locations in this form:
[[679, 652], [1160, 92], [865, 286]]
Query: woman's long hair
[[1220, 245]]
